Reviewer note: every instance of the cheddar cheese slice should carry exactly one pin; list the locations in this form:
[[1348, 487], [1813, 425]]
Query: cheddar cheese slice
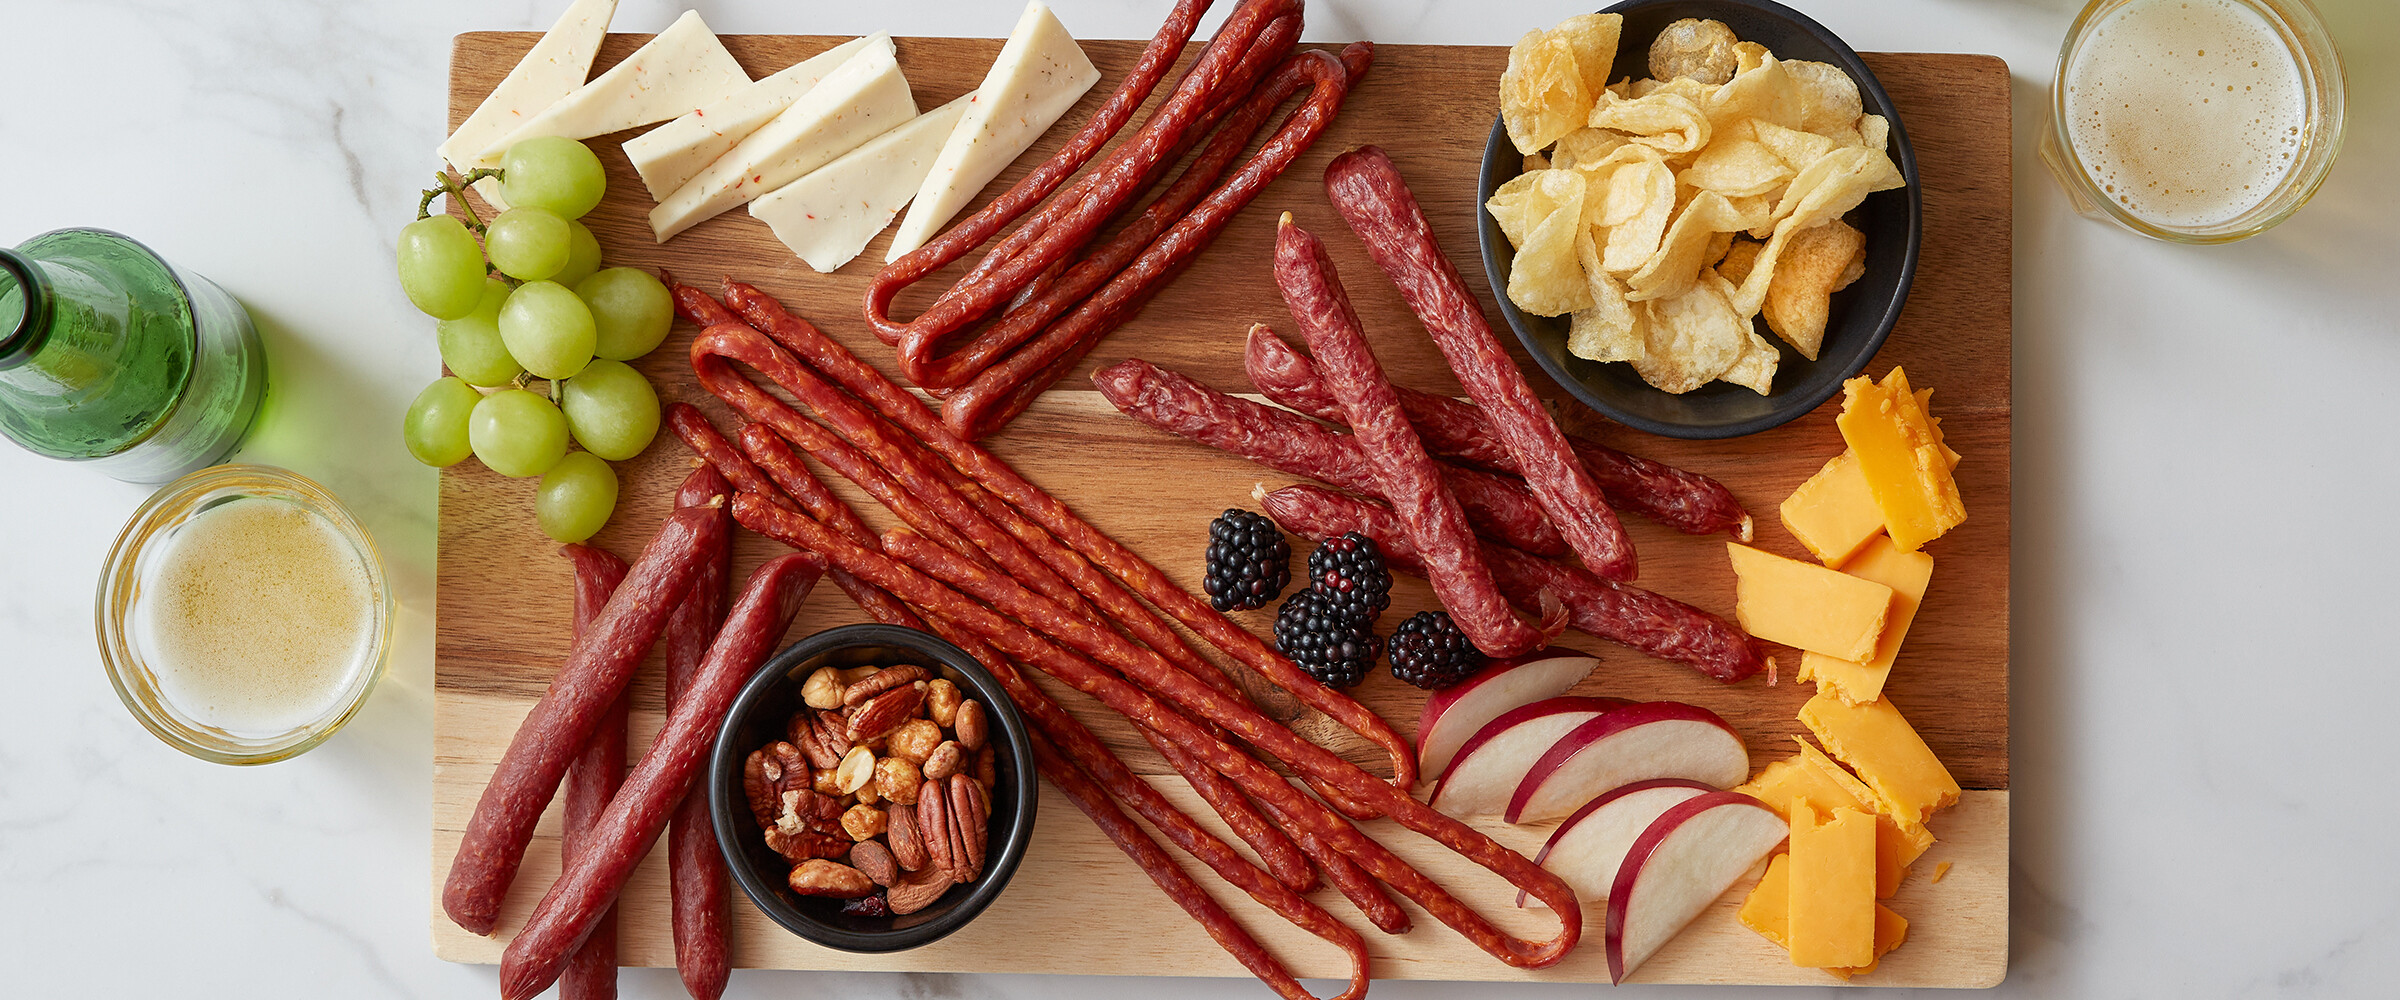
[[1807, 606], [1830, 915], [1832, 513], [1767, 911], [1907, 573], [1905, 463], [1886, 752], [1810, 779]]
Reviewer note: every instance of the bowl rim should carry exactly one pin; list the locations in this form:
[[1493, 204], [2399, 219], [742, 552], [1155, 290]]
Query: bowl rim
[[727, 816], [1788, 406]]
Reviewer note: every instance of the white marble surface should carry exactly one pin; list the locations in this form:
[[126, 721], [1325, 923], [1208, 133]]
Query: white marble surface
[[2204, 457]]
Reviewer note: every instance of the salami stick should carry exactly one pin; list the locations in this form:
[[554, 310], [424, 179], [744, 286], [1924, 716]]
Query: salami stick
[[1405, 476], [696, 876], [1651, 623], [592, 780], [1290, 443], [895, 404], [640, 810], [1685, 501], [595, 672], [1243, 721], [1366, 188]]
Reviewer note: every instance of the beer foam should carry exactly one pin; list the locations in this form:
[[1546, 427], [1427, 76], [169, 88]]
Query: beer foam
[[2187, 113]]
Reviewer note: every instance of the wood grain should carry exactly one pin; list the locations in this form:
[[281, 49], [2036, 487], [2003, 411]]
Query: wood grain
[[502, 599]]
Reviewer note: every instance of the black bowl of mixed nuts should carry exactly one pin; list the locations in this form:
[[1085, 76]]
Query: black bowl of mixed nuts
[[872, 788]]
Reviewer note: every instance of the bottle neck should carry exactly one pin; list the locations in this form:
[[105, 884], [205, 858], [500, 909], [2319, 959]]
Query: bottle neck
[[25, 304]]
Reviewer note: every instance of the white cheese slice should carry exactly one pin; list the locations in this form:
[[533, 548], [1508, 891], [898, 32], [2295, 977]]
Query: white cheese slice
[[673, 153], [827, 216], [681, 69], [554, 67], [1040, 73], [864, 98]]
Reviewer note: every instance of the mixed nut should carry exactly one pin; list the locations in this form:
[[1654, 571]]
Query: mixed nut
[[880, 792]]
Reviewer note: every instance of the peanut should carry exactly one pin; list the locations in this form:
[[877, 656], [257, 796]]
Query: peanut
[[896, 779], [915, 740], [863, 822], [941, 701], [856, 770]]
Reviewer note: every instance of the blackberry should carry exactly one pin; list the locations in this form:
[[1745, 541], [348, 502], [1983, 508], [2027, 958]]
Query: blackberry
[[1350, 569], [1334, 646], [1430, 652], [1249, 563]]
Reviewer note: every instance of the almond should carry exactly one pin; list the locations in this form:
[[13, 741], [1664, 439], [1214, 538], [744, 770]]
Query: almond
[[883, 713]]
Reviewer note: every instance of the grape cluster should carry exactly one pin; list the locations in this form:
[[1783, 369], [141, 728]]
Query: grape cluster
[[542, 310]]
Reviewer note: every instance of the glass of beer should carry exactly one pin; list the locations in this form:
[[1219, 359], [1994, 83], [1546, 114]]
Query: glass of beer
[[2194, 121]]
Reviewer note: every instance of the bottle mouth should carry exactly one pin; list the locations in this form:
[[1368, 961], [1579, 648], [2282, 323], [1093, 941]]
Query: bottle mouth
[[24, 309]]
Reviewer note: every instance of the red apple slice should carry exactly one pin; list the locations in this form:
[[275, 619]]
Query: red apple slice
[[1494, 760], [1687, 857], [1454, 714], [1587, 849], [1654, 739]]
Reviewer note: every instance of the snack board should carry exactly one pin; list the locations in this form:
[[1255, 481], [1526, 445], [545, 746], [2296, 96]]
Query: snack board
[[503, 593]]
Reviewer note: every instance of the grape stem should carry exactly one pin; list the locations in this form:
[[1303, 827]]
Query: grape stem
[[450, 184]]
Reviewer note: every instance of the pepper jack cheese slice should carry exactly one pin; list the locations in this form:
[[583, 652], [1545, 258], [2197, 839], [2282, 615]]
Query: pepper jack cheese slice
[[1806, 606], [1830, 913], [1886, 752], [1907, 573], [1834, 513], [1039, 74], [828, 216], [554, 67], [672, 154], [680, 69], [1810, 779], [1768, 911], [865, 98], [1902, 458]]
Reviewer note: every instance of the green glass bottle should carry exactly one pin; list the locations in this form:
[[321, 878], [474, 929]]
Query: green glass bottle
[[111, 355]]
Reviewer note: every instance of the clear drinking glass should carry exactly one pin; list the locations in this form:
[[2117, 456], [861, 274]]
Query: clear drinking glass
[[2318, 134]]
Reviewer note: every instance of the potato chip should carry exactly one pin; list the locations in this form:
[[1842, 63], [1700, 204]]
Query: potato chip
[[1696, 48], [1666, 121], [1510, 204], [1763, 93], [1754, 368], [1828, 97], [1797, 149], [1735, 265], [1736, 168], [1856, 269], [1585, 147], [1718, 246], [1806, 276], [1611, 329], [1747, 56], [1874, 131], [1542, 94], [1545, 279], [1593, 37], [1691, 338], [1677, 263], [1834, 185], [1536, 161], [1757, 212], [1649, 190]]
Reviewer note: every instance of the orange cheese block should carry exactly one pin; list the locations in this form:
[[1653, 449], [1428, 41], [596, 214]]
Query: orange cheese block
[[1807, 606], [1834, 513], [1903, 459], [1907, 573], [1830, 921], [1886, 752], [1768, 911], [1810, 779]]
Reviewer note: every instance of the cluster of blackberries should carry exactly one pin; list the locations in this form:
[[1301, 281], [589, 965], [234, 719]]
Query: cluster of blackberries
[[1329, 628]]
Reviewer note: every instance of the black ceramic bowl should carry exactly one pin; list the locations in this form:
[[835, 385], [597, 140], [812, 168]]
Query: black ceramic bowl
[[758, 718], [1862, 314]]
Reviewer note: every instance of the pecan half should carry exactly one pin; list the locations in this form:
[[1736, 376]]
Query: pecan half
[[900, 827], [884, 712], [768, 773], [808, 825], [823, 738], [933, 831], [881, 681], [918, 891], [968, 826], [819, 877], [871, 857]]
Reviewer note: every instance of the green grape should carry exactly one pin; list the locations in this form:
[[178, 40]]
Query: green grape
[[528, 244], [517, 433], [583, 255], [547, 329], [441, 268], [560, 175], [436, 426], [577, 495], [471, 344], [631, 310], [611, 408]]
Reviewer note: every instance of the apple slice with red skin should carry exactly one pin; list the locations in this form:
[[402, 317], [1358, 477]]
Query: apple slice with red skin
[[1493, 762], [1654, 739], [1588, 847], [1455, 714], [1680, 864]]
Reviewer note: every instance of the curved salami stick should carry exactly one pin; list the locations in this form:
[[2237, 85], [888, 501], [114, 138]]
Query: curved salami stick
[[595, 672], [591, 973], [1405, 476], [1453, 428], [1366, 188], [1619, 612], [696, 876], [640, 810]]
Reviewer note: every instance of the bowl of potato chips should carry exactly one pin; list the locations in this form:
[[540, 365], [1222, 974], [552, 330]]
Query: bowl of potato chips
[[1701, 216]]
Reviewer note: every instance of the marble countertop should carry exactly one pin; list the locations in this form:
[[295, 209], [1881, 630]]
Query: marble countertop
[[2202, 453]]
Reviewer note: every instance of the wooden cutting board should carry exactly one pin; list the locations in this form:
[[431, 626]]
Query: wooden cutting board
[[503, 593]]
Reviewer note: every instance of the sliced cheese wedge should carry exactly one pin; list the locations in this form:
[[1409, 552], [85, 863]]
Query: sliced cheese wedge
[[1040, 73], [554, 67], [864, 98], [682, 68], [672, 154], [828, 216]]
